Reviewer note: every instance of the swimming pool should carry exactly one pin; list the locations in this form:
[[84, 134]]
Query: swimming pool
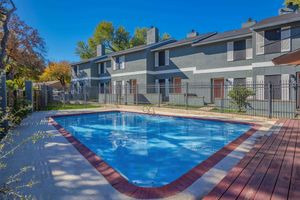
[[151, 150]]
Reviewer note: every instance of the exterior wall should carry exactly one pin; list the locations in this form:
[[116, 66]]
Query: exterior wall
[[194, 64]]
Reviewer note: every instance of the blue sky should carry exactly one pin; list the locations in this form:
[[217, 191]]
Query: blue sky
[[64, 22]]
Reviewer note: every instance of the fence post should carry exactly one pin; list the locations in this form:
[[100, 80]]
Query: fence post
[[270, 99], [136, 94], [158, 94], [126, 93], [105, 93], [186, 95], [3, 99]]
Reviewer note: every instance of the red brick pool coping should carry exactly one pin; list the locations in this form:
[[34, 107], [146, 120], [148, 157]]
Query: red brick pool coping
[[173, 188]]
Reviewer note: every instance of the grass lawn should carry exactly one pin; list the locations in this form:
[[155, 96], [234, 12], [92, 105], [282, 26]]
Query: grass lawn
[[219, 110], [60, 106]]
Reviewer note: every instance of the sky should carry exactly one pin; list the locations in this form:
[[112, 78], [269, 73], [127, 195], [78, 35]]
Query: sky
[[62, 23]]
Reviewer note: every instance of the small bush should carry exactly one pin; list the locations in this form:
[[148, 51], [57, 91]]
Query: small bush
[[239, 96]]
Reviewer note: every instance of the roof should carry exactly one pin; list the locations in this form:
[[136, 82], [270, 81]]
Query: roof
[[278, 20], [142, 47], [186, 41], [95, 59], [229, 35], [291, 58]]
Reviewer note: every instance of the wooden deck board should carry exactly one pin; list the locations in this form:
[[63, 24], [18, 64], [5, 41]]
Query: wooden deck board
[[271, 170]]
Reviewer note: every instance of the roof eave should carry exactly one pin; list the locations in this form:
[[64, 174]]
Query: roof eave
[[222, 40], [275, 24], [185, 43], [142, 49]]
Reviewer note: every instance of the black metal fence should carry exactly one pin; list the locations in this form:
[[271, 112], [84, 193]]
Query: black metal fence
[[257, 99]]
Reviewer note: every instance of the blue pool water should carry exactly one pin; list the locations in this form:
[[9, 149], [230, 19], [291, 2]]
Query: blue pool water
[[151, 151]]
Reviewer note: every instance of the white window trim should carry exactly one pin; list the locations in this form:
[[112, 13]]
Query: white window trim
[[249, 49], [167, 57], [122, 62], [230, 51], [156, 59], [114, 65], [285, 92], [260, 90], [286, 39], [260, 42]]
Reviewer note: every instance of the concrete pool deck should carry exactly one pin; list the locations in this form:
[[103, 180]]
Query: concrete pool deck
[[63, 173]]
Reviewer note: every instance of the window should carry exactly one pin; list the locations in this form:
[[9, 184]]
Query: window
[[239, 82], [239, 50], [118, 64], [275, 80], [102, 68], [161, 58], [273, 41]]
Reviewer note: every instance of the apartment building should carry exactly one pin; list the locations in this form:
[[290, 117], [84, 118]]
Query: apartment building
[[239, 56]]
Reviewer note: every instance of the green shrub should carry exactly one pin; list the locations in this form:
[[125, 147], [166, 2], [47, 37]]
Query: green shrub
[[239, 96]]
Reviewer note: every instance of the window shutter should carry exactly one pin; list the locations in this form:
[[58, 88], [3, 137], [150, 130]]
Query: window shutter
[[260, 42], [260, 87], [99, 68], [285, 92], [122, 61], [249, 49], [285, 39], [113, 63], [105, 67], [167, 57], [156, 59], [249, 82], [229, 51]]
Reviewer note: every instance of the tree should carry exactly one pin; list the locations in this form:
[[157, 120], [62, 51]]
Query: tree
[[121, 39], [113, 39], [26, 51], [7, 8], [60, 71], [84, 50], [239, 95], [165, 36], [294, 2], [139, 37]]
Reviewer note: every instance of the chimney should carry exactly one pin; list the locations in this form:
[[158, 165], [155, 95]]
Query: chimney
[[249, 23], [100, 50], [192, 34], [290, 8], [152, 35]]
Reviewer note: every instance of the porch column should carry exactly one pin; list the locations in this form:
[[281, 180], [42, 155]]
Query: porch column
[[167, 85]]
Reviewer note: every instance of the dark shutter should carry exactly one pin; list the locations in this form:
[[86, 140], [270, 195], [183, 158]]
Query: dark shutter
[[273, 41], [275, 80], [239, 50]]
